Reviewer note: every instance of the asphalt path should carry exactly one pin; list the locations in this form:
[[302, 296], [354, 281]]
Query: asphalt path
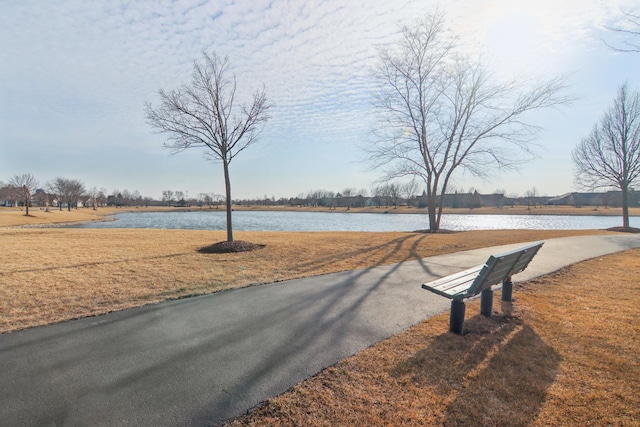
[[201, 360]]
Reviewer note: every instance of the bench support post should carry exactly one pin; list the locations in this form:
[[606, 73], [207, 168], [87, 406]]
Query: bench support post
[[486, 302], [456, 319], [507, 290]]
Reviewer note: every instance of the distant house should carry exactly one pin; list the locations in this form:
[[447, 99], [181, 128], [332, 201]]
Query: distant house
[[472, 200], [493, 200], [606, 199]]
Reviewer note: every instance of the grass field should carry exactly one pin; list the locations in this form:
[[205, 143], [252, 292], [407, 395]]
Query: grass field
[[564, 354], [54, 274]]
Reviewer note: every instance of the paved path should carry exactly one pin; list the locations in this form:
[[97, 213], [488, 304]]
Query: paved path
[[200, 360]]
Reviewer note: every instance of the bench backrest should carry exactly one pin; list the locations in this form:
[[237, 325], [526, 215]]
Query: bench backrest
[[501, 267]]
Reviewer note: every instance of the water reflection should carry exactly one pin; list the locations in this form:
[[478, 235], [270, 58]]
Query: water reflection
[[338, 221]]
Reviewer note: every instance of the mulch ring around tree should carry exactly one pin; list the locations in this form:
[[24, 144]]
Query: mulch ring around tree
[[230, 247], [440, 231], [625, 229]]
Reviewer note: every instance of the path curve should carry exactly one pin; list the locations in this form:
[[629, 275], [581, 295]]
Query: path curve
[[200, 360]]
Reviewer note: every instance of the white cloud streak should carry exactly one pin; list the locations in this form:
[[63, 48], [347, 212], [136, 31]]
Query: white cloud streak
[[76, 74]]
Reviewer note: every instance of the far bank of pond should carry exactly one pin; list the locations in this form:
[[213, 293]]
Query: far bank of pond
[[258, 220]]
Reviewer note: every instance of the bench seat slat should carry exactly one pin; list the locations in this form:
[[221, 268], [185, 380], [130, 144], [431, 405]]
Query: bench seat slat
[[451, 294], [460, 292], [449, 291], [461, 274], [452, 285]]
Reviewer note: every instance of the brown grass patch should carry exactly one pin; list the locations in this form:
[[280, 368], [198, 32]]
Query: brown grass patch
[[51, 275], [14, 217], [566, 355]]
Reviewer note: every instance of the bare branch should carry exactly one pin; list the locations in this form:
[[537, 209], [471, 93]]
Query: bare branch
[[610, 155], [23, 188], [633, 43], [439, 112], [204, 114]]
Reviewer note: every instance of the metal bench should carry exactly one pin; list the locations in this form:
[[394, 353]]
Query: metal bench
[[478, 280]]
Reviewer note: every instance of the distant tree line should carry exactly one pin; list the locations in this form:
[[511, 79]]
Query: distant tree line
[[26, 191], [63, 193]]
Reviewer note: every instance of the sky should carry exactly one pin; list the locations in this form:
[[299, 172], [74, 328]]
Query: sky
[[75, 76]]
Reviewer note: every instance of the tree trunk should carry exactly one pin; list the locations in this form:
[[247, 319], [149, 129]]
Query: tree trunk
[[432, 206], [625, 207], [227, 186], [26, 204]]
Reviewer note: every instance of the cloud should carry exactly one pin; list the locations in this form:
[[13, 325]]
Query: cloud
[[77, 73]]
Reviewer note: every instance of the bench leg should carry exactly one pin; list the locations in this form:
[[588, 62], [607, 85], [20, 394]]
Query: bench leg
[[486, 302], [456, 319], [507, 290]]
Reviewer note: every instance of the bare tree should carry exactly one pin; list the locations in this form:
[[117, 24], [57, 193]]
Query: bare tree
[[394, 191], [73, 191], [377, 193], [23, 187], [67, 191], [126, 197], [441, 112], [204, 115], [102, 197], [206, 199], [167, 197], [610, 155], [329, 199], [314, 196], [56, 188], [136, 197], [531, 197], [632, 44], [43, 198], [179, 195], [409, 189], [348, 194], [93, 197], [513, 198]]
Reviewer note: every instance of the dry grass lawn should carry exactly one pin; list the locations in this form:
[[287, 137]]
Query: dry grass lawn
[[565, 353], [51, 274], [15, 217]]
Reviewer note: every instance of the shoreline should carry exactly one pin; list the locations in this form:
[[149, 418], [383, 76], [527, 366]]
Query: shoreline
[[404, 210], [39, 218]]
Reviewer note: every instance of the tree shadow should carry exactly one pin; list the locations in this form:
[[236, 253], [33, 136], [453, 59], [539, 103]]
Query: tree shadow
[[383, 253], [221, 353], [496, 374]]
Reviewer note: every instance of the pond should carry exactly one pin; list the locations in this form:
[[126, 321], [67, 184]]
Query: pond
[[342, 221]]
